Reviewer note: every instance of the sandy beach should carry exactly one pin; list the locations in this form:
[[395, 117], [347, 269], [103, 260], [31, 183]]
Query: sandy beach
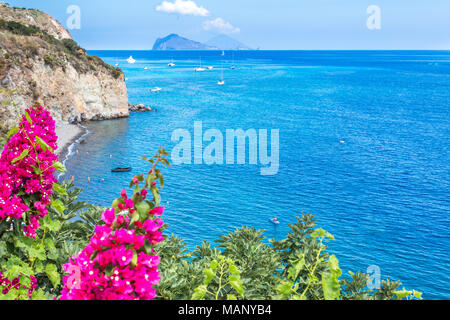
[[67, 135]]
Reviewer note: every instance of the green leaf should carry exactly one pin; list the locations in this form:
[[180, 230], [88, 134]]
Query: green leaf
[[161, 180], [13, 131], [134, 218], [156, 195], [134, 260], [143, 208], [237, 285], [417, 294], [285, 288], [58, 205], [199, 293], [402, 294], [297, 266], [59, 189], [210, 274], [52, 273], [43, 144], [3, 249], [22, 155], [59, 166], [39, 266], [49, 244], [27, 116], [52, 225], [37, 253], [231, 297], [214, 264], [330, 282]]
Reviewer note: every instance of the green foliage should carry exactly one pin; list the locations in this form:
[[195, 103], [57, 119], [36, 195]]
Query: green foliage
[[63, 50], [64, 232], [297, 268], [222, 281], [19, 28]]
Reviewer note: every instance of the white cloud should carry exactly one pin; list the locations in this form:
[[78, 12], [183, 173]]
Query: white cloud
[[184, 7], [220, 25]]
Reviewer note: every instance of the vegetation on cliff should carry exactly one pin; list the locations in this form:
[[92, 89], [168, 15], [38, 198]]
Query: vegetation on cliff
[[55, 53], [43, 64]]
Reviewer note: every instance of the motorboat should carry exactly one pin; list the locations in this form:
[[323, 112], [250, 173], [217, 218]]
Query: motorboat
[[126, 169]]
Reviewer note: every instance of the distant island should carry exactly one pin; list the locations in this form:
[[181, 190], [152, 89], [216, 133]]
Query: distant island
[[220, 42]]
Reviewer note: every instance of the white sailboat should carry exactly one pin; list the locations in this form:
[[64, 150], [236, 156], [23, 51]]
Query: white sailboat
[[171, 64], [131, 60], [221, 82], [199, 69], [233, 66]]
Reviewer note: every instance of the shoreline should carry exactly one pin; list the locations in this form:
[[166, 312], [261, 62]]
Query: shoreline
[[68, 136]]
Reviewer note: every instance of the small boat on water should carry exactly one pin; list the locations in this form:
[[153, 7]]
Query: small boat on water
[[222, 81], [127, 169], [210, 68], [156, 89], [171, 64], [233, 66], [131, 60], [274, 221], [200, 69]]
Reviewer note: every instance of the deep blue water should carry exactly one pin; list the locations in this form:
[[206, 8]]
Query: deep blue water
[[384, 193]]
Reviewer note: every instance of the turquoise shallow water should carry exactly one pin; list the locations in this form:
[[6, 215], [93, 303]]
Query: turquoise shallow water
[[384, 193]]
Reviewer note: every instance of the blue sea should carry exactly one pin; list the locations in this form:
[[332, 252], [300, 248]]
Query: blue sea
[[364, 146]]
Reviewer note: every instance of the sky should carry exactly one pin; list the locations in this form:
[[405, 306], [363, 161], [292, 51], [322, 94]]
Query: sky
[[265, 24]]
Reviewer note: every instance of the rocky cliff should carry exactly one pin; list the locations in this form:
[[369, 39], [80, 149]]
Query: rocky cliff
[[39, 58]]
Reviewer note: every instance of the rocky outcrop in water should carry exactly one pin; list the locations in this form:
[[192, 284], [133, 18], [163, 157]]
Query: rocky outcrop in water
[[39, 59], [140, 108]]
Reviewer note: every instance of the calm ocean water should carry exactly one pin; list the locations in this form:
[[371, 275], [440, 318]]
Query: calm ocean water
[[384, 194]]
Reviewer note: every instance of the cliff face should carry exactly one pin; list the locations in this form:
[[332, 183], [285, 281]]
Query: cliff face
[[39, 58]]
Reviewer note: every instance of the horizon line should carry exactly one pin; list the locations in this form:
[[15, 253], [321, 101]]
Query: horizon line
[[219, 50]]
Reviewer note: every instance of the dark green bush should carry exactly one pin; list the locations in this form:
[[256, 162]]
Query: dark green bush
[[19, 28]]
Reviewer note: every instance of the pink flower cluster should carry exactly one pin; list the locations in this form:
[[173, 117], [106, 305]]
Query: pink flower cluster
[[30, 176], [6, 285], [117, 264]]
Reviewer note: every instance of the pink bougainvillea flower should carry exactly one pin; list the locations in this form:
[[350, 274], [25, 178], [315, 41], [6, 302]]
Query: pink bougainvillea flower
[[116, 264], [108, 217], [157, 211], [26, 169]]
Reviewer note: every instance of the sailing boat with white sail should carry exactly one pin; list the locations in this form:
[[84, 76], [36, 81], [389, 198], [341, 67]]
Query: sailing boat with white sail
[[233, 66], [221, 82], [199, 69]]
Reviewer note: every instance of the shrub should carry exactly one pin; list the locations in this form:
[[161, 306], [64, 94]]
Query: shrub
[[49, 61], [19, 28], [71, 46]]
